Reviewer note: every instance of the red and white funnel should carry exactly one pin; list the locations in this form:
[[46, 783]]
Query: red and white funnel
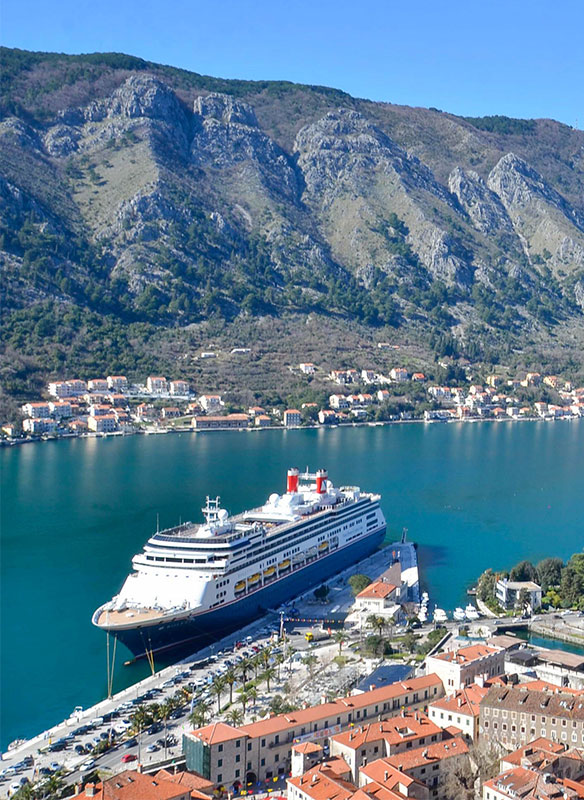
[[321, 479], [292, 483]]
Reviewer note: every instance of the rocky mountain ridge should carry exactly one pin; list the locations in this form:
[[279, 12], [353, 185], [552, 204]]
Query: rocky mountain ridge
[[157, 200]]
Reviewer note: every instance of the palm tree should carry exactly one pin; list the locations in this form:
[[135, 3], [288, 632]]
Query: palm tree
[[199, 715], [256, 662], [375, 621], [230, 679], [141, 718], [266, 655], [280, 659], [244, 667], [339, 638], [310, 662], [252, 694], [217, 688], [269, 675], [234, 716], [243, 698]]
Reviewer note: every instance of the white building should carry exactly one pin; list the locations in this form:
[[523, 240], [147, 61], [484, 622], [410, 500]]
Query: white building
[[210, 402], [58, 389], [36, 410], [179, 387], [458, 668], [338, 401], [307, 368], [97, 385], [39, 425], [119, 383], [156, 384], [508, 593]]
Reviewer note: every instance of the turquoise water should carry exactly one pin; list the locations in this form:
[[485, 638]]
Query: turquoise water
[[74, 512]]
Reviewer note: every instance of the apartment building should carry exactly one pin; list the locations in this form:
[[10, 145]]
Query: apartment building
[[458, 668], [260, 750], [514, 716], [359, 746], [461, 710], [156, 384]]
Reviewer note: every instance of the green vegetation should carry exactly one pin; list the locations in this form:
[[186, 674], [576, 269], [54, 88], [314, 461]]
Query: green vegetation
[[358, 582], [562, 584], [501, 124]]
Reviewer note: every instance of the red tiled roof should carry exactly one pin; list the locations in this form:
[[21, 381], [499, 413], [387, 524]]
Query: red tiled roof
[[429, 754], [379, 589], [467, 654], [464, 701], [218, 732], [396, 729]]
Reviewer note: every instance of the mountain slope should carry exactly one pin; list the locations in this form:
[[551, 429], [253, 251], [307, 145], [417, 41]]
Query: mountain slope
[[147, 197]]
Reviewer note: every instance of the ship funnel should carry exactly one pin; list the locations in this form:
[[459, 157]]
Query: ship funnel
[[321, 479], [292, 485]]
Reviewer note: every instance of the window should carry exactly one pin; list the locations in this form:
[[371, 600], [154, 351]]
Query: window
[[237, 758], [220, 748], [237, 773], [249, 746], [220, 762], [238, 743], [219, 778], [263, 742], [276, 758], [263, 762]]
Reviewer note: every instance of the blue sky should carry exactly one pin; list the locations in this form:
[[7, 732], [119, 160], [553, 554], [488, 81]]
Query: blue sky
[[472, 57]]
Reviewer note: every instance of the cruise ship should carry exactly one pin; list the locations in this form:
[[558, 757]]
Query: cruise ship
[[194, 583]]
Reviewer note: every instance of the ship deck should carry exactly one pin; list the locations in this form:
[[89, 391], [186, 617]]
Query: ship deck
[[113, 619]]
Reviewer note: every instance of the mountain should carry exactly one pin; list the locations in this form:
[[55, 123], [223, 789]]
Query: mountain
[[147, 211]]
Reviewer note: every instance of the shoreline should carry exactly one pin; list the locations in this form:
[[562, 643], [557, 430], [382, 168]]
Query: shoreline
[[370, 424]]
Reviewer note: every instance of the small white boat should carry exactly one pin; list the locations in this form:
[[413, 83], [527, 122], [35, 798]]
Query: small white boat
[[423, 615], [471, 612], [459, 614], [440, 615], [425, 596]]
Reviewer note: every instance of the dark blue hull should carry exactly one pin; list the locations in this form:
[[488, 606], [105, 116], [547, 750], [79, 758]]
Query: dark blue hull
[[194, 633]]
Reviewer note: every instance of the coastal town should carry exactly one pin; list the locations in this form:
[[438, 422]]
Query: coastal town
[[302, 705], [116, 405]]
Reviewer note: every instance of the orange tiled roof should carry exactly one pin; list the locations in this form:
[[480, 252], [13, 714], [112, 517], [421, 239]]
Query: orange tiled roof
[[429, 754], [378, 589], [467, 654], [218, 732], [131, 785], [396, 729], [464, 701], [199, 787]]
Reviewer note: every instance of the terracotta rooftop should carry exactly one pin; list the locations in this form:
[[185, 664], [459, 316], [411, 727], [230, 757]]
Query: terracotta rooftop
[[429, 754], [530, 785], [407, 726], [379, 589], [465, 655], [218, 732], [307, 747], [131, 785], [464, 701], [198, 786], [322, 783]]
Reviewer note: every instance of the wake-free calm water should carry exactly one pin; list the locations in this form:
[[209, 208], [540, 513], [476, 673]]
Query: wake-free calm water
[[75, 512]]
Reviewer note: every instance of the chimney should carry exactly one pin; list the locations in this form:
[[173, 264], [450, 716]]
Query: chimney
[[292, 482], [90, 790], [321, 479], [386, 776]]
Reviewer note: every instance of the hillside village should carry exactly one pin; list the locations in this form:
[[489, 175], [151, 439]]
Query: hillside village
[[114, 405]]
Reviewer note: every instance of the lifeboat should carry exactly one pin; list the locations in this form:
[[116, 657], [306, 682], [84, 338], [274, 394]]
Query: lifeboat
[[323, 546], [284, 564], [240, 586], [269, 572], [254, 578]]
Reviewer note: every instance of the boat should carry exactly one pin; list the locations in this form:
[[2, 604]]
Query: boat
[[194, 583], [423, 615], [459, 615], [269, 572], [440, 615], [471, 612]]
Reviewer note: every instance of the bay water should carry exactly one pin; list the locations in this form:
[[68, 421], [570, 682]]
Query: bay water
[[75, 512]]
